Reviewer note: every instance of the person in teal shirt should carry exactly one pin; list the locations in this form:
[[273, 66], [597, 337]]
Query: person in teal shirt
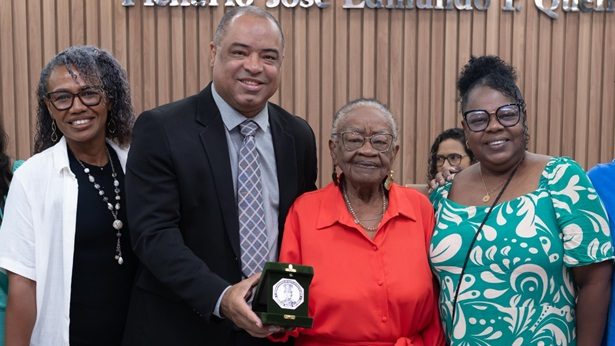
[[7, 167]]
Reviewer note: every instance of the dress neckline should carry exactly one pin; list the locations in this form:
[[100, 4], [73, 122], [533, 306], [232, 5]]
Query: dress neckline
[[541, 187]]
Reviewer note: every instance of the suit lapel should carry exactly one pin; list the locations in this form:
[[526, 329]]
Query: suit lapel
[[285, 160], [213, 138]]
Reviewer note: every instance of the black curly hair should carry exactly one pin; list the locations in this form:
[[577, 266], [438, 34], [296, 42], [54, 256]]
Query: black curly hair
[[96, 67], [6, 171], [452, 133], [495, 73]]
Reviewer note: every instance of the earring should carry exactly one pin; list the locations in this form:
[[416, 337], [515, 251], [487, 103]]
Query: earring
[[467, 145], [526, 134], [54, 134], [389, 180], [111, 127], [334, 176]]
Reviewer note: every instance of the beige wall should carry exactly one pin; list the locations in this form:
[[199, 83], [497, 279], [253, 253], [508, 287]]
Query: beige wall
[[408, 59]]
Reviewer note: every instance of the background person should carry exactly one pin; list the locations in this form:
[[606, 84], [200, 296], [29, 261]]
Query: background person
[[199, 171], [64, 240], [539, 270], [7, 168], [448, 156], [449, 151], [367, 239], [603, 179]]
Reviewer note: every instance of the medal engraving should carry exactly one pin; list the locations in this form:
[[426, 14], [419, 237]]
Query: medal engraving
[[288, 294]]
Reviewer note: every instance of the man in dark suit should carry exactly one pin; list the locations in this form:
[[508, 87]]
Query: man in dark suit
[[182, 192]]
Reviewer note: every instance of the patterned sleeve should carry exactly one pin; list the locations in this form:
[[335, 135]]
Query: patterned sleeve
[[436, 196], [580, 214]]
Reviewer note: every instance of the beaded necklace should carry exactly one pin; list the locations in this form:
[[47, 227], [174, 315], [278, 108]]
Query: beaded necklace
[[354, 214], [114, 209]]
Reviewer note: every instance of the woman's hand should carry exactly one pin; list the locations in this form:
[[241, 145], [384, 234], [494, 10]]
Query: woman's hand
[[443, 177]]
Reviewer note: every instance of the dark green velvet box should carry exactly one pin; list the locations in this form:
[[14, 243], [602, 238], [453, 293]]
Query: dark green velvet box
[[281, 297]]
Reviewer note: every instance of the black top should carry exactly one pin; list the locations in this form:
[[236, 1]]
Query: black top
[[100, 289]]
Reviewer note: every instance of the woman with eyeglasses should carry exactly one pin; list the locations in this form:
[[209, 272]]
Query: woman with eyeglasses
[[64, 239], [522, 244], [367, 239], [449, 151]]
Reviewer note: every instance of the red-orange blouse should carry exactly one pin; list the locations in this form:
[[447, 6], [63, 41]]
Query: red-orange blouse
[[376, 292]]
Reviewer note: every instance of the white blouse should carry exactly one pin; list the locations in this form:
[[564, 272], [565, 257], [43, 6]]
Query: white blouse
[[37, 236]]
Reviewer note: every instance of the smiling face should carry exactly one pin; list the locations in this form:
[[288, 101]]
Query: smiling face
[[81, 125], [453, 147], [497, 147], [247, 62], [364, 166]]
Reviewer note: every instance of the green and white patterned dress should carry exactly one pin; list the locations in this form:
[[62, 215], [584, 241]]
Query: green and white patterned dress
[[518, 287]]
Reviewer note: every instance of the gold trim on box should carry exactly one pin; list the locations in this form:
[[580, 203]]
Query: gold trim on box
[[289, 317], [290, 269]]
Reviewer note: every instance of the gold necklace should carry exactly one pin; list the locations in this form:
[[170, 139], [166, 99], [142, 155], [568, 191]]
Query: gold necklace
[[488, 192], [354, 214]]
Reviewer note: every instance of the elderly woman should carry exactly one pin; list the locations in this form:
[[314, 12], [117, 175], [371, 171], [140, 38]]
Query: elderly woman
[[64, 240], [367, 239], [522, 244], [449, 151]]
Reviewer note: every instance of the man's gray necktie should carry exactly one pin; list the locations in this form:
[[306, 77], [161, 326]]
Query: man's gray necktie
[[252, 228]]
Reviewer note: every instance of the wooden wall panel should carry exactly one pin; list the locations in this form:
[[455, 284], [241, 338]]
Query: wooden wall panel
[[8, 96], [607, 133], [21, 85], [35, 64], [556, 91], [408, 124], [408, 59]]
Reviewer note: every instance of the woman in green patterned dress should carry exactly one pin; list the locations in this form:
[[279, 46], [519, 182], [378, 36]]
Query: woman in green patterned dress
[[538, 271]]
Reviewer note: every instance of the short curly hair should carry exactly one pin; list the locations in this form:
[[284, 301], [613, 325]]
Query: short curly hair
[[95, 66], [452, 133], [364, 102], [493, 72]]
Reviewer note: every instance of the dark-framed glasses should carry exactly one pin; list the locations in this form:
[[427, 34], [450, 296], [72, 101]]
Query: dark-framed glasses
[[453, 159], [478, 120], [63, 100], [353, 141]]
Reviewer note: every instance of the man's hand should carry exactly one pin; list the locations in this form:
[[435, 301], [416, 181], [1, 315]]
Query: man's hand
[[234, 306]]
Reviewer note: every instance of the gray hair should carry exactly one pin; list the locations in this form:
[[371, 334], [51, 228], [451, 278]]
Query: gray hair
[[239, 11], [99, 68], [363, 102]]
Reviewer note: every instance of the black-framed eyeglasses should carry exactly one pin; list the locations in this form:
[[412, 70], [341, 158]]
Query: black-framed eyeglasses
[[353, 140], [453, 159], [63, 100], [478, 120]]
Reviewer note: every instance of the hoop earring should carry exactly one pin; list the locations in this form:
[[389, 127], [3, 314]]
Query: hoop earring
[[389, 180], [54, 134], [111, 127]]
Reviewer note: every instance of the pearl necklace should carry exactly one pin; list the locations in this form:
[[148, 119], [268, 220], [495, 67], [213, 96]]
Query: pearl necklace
[[114, 209], [354, 214]]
